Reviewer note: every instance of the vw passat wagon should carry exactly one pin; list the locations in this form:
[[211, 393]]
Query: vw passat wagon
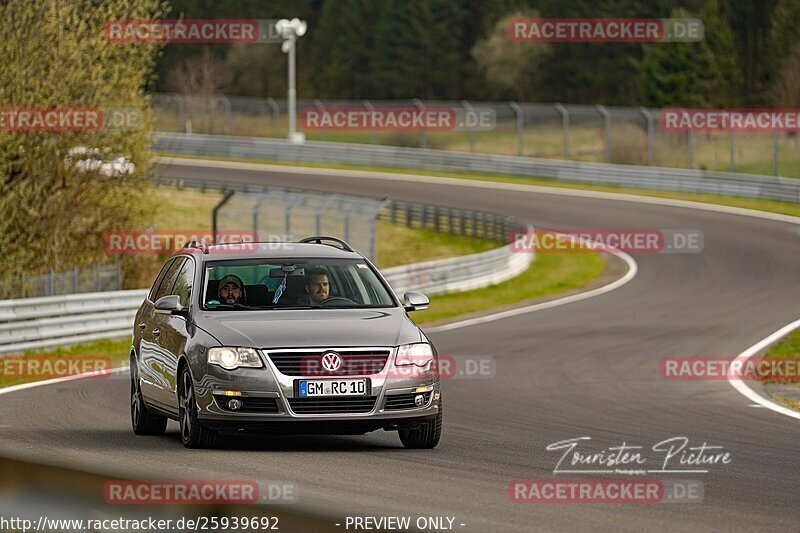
[[301, 337]]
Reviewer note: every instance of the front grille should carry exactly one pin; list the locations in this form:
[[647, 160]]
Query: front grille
[[405, 401], [360, 404], [251, 404], [309, 363]]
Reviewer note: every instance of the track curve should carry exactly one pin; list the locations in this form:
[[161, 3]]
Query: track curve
[[588, 368]]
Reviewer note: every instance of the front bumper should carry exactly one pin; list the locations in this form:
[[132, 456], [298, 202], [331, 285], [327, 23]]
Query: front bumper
[[270, 400]]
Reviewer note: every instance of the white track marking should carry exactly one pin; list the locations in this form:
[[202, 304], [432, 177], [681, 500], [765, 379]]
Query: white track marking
[[749, 393], [32, 384]]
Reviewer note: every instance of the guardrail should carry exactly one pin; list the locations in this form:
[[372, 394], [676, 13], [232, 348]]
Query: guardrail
[[643, 177], [31, 323]]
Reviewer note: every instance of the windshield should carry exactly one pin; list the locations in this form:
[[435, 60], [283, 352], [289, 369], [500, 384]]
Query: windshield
[[257, 284]]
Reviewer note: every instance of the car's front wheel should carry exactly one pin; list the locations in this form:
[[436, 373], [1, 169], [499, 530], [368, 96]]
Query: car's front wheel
[[143, 421], [425, 436], [193, 433]]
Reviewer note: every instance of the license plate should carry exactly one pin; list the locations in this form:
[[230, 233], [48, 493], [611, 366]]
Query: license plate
[[332, 387]]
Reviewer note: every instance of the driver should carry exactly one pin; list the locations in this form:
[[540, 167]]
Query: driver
[[317, 286], [231, 290]]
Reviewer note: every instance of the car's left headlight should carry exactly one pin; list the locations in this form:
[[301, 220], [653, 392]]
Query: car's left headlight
[[233, 358], [419, 354]]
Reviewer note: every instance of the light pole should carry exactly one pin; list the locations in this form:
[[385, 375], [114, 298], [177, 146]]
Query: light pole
[[290, 30]]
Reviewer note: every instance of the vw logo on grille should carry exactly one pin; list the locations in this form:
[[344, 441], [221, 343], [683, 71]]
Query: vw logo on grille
[[331, 361]]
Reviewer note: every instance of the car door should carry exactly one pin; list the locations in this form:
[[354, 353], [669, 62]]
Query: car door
[[143, 333], [156, 360], [174, 328]]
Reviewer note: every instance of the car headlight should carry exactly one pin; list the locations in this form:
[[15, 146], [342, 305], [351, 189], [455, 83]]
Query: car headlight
[[233, 358], [419, 354]]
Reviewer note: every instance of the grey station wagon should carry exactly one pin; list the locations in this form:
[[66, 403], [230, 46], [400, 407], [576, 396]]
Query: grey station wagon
[[303, 337]]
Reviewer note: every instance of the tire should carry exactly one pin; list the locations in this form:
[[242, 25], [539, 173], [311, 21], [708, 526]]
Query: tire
[[425, 436], [193, 433], [143, 421]]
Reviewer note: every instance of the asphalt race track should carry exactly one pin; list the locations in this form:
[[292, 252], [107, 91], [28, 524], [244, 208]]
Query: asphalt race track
[[588, 368]]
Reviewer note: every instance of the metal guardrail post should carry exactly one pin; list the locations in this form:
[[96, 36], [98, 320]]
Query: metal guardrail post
[[564, 127], [606, 130], [520, 127], [650, 131], [373, 134], [215, 212], [423, 134], [276, 115], [470, 128]]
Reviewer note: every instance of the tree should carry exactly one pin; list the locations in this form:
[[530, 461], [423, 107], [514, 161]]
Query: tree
[[55, 56], [701, 74], [509, 68]]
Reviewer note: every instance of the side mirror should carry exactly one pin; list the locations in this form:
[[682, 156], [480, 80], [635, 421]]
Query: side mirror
[[415, 301], [170, 305]]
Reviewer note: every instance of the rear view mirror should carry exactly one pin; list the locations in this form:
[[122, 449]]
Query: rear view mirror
[[415, 301]]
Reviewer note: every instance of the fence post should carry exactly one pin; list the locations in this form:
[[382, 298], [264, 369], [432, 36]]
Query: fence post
[[775, 141], [471, 130], [649, 118], [96, 272], [74, 279], [181, 111], [226, 105], [520, 127], [564, 127], [321, 108], [49, 281], [606, 130], [733, 151], [423, 134], [119, 275], [215, 213], [276, 115], [373, 134], [256, 210], [690, 141]]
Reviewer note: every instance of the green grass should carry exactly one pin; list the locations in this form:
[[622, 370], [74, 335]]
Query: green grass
[[784, 208], [787, 348], [549, 274]]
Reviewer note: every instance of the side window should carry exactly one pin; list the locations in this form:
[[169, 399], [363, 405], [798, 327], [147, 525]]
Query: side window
[[152, 295], [183, 283], [169, 278]]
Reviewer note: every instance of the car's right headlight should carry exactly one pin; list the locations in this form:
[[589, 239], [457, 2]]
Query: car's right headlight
[[419, 354], [233, 358]]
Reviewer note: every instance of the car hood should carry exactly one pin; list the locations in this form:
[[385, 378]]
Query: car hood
[[310, 328]]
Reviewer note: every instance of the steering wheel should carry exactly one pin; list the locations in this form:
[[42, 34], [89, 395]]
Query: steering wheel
[[337, 299]]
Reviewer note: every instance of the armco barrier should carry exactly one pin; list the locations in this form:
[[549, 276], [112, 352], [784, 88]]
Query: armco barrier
[[670, 179], [59, 320]]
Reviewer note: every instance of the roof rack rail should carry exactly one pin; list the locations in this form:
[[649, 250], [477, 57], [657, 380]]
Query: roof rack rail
[[193, 242], [318, 240]]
